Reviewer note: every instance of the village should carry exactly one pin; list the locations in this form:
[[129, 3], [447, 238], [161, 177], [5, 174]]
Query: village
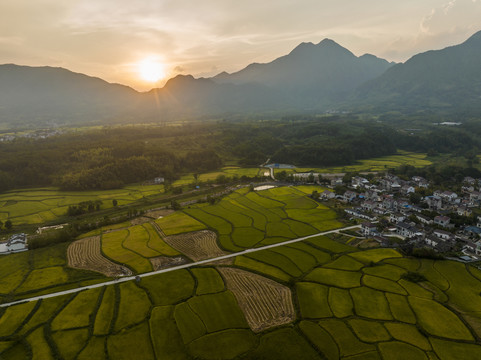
[[393, 212]]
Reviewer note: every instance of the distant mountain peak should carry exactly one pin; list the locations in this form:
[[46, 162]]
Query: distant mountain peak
[[475, 38], [328, 42], [302, 47]]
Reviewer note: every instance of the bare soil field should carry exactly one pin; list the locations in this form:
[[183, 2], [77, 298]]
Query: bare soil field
[[162, 262], [265, 303], [155, 214], [86, 254], [140, 220], [197, 245]]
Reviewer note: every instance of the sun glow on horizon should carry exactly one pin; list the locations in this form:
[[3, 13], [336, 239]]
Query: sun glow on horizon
[[151, 70]]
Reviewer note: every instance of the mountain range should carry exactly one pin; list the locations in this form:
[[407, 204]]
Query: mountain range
[[312, 77]]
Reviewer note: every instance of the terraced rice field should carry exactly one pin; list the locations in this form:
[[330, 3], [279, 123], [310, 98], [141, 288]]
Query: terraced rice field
[[349, 304], [248, 219], [265, 303], [34, 206], [337, 301], [86, 254]]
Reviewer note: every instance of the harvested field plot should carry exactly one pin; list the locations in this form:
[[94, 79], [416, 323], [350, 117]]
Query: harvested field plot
[[162, 262], [198, 245], [86, 254], [265, 303]]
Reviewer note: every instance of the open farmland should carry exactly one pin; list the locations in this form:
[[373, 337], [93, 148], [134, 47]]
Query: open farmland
[[198, 245], [313, 299], [30, 272], [35, 206], [86, 254], [248, 219], [375, 164], [265, 303], [347, 303]]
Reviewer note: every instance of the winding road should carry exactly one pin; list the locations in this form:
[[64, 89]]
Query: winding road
[[178, 267]]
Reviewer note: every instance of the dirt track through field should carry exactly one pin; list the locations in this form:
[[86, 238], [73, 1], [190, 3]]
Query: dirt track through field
[[85, 254], [265, 303], [175, 268]]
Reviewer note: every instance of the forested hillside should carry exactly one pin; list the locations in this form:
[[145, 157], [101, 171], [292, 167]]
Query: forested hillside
[[112, 157]]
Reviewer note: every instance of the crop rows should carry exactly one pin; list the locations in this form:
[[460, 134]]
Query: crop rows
[[199, 245], [351, 304], [86, 254], [265, 303]]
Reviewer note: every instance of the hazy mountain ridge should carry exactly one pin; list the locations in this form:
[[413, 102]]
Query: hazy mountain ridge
[[56, 94], [311, 77], [436, 79]]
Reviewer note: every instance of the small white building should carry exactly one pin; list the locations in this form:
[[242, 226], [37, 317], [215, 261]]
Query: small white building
[[15, 243], [159, 180]]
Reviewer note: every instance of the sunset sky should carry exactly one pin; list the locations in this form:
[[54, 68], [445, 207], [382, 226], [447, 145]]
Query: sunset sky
[[110, 38]]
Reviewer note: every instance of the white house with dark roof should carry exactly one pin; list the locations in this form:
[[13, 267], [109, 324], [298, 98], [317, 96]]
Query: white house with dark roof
[[15, 243]]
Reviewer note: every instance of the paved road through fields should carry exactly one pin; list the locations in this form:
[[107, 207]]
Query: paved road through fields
[[184, 266]]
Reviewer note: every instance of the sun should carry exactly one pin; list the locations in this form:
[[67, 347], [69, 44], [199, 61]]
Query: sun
[[151, 70]]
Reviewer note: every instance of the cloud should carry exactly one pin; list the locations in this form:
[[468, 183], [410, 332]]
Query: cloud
[[106, 38], [456, 16]]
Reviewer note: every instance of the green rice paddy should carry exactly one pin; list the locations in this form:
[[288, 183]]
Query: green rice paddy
[[343, 311], [349, 303], [375, 164]]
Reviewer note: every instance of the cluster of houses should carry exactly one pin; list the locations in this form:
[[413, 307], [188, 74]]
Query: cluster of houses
[[390, 217], [37, 134], [15, 243]]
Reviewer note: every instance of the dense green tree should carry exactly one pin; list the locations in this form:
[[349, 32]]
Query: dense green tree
[[8, 224]]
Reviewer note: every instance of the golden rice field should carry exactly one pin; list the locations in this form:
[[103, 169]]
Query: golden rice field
[[340, 303], [375, 164]]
